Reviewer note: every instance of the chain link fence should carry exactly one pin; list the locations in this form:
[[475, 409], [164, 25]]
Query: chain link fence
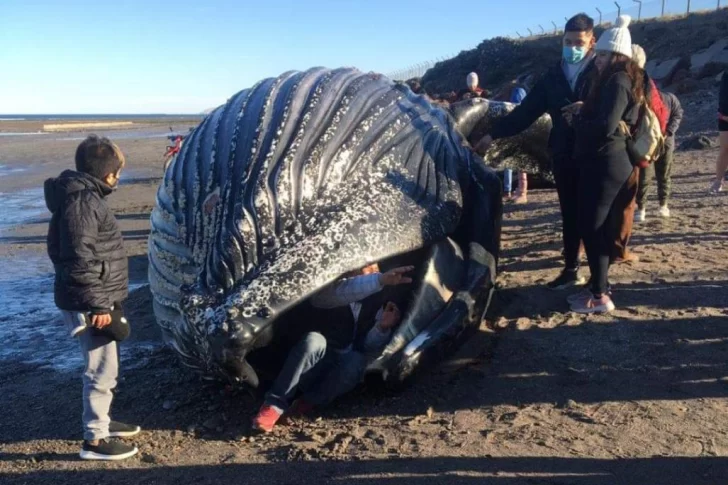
[[603, 15]]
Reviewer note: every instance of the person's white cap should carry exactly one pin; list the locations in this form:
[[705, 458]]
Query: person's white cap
[[617, 40], [638, 55], [472, 79]]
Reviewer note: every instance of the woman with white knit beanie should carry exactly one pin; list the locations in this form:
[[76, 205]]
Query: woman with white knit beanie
[[601, 151]]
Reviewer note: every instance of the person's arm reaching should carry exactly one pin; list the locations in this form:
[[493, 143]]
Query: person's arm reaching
[[347, 291], [524, 115], [350, 290]]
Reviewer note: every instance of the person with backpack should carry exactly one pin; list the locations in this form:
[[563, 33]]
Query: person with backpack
[[604, 154], [663, 166], [564, 84], [626, 203], [87, 250]]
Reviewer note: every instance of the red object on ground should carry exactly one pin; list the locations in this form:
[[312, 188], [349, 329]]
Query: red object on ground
[[266, 418]]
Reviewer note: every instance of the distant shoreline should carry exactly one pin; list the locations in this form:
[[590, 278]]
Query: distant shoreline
[[38, 124]]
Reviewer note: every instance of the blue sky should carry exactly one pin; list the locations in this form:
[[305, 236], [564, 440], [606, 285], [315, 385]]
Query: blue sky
[[147, 56]]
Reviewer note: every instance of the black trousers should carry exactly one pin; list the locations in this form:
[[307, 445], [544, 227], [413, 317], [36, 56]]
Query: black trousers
[[567, 175], [601, 183]]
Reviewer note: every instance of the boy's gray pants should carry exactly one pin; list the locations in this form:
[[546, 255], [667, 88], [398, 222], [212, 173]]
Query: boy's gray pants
[[101, 358]]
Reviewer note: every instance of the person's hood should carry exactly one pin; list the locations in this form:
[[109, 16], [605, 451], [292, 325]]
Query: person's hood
[[56, 190]]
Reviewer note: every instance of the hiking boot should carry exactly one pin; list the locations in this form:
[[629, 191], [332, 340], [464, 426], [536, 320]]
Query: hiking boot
[[107, 450], [640, 215], [123, 430], [664, 211], [266, 418], [567, 279], [593, 305]]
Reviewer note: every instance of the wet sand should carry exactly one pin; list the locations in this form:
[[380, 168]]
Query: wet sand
[[539, 395]]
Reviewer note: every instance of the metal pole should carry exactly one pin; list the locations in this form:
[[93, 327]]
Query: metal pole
[[530, 32], [663, 9], [519, 35], [619, 9], [600, 16], [556, 27], [688, 6], [542, 29], [639, 12]]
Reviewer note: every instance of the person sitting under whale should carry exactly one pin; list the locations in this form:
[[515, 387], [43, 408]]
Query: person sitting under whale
[[330, 362]]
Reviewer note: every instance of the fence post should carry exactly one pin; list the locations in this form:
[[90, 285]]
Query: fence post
[[542, 29], [639, 12], [530, 32], [519, 35], [663, 9], [688, 6], [600, 16], [556, 27], [619, 10]]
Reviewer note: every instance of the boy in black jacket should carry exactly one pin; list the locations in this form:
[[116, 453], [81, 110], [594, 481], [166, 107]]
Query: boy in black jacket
[[87, 250]]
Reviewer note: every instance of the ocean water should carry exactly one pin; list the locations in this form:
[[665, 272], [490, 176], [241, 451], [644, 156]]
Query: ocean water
[[31, 326], [100, 117]]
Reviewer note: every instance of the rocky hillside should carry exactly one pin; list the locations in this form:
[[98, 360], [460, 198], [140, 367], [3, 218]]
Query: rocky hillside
[[499, 61]]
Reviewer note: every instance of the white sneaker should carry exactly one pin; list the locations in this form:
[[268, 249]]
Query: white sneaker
[[640, 215], [664, 211], [716, 186]]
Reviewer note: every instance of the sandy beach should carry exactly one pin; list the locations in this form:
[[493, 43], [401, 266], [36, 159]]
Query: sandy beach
[[538, 396]]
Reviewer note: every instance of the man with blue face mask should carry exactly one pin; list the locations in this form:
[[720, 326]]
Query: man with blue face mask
[[562, 86]]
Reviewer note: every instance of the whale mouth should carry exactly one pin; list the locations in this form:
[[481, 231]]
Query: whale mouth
[[428, 313]]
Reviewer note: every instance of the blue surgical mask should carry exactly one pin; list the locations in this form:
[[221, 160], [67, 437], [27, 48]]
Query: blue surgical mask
[[574, 55]]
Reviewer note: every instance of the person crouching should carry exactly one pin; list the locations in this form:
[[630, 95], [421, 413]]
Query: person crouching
[[332, 361]]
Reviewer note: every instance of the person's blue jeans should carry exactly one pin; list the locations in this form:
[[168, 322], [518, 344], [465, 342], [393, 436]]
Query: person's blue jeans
[[321, 374]]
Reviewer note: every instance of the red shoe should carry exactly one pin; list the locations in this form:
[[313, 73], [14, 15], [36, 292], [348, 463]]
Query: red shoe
[[300, 407], [266, 418]]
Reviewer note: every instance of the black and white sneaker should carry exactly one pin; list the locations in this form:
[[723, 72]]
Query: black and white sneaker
[[567, 279], [107, 450], [123, 430]]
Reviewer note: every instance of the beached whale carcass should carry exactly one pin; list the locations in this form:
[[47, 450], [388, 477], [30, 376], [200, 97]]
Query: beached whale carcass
[[301, 179], [527, 151]]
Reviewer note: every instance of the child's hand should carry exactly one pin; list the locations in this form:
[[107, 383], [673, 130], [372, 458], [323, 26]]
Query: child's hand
[[100, 321], [396, 276]]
